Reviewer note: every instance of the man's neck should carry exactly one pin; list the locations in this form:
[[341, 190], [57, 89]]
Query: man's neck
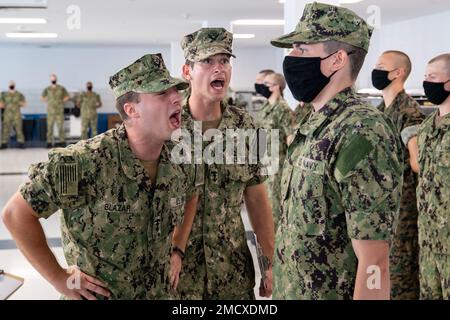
[[391, 92], [329, 92], [444, 108], [274, 97], [144, 148], [204, 109], [12, 91]]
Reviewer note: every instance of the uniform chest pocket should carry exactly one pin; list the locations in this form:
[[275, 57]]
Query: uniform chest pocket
[[233, 181], [117, 229], [306, 203]]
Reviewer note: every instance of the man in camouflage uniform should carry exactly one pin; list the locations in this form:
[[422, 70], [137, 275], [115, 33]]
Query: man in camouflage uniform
[[55, 96], [218, 263], [275, 115], [433, 192], [88, 102], [12, 101], [117, 214], [343, 173], [392, 71], [262, 93]]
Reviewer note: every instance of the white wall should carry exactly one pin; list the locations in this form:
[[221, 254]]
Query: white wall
[[250, 60], [421, 38], [30, 67]]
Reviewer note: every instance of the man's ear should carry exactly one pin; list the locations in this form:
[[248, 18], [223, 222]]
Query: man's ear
[[398, 73], [186, 72], [131, 110], [447, 86], [340, 59]]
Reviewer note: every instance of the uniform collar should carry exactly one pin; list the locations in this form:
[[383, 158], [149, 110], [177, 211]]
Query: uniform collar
[[444, 122], [132, 166], [227, 115], [316, 119], [395, 103]]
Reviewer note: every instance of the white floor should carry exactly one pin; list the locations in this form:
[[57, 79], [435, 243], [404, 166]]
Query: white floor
[[13, 167]]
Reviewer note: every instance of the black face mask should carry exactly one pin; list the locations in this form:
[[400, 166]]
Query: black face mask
[[11, 87], [89, 88], [436, 92], [380, 78], [53, 81], [263, 90], [304, 78]]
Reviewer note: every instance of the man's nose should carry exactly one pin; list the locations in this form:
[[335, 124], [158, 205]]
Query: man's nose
[[218, 66], [175, 97]]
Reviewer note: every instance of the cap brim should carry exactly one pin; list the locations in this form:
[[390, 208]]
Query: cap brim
[[202, 56], [162, 85], [287, 40]]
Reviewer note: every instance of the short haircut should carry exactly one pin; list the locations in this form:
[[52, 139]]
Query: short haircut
[[445, 58], [405, 61], [279, 80], [266, 72], [356, 59], [129, 97]]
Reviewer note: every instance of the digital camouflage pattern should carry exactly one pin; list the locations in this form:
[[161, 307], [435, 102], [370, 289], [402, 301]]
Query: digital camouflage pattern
[[148, 74], [55, 110], [323, 22], [115, 226], [218, 263], [434, 276], [404, 112], [207, 42], [278, 116], [88, 102], [300, 112], [341, 180], [12, 117], [433, 195]]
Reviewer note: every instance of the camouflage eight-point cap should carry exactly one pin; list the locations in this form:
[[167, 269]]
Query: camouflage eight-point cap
[[148, 74], [323, 22], [207, 42]]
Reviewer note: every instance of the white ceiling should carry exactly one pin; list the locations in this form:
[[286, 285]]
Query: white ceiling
[[147, 22]]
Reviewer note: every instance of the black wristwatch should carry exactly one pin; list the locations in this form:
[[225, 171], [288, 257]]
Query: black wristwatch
[[178, 251]]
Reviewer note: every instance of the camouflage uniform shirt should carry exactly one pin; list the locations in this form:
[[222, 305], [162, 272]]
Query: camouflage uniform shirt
[[12, 101], [341, 181], [218, 263], [115, 226], [88, 103], [55, 97], [300, 112], [278, 116], [404, 262], [433, 192]]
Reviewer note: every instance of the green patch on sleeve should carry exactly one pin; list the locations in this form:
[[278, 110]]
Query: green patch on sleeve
[[358, 148]]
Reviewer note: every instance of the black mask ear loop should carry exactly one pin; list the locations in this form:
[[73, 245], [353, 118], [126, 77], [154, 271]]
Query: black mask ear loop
[[348, 53]]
